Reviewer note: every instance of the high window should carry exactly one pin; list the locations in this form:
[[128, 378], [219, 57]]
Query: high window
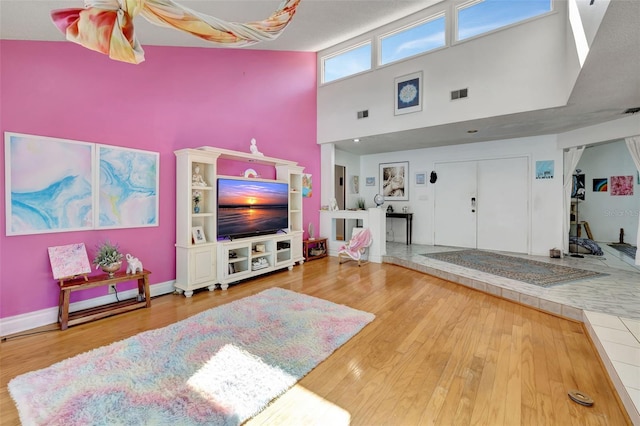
[[482, 16], [413, 40], [347, 62]]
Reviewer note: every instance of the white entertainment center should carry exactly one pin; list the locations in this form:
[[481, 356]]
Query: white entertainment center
[[209, 262]]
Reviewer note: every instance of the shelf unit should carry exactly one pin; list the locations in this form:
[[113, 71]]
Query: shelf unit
[[213, 262], [250, 257], [314, 249]]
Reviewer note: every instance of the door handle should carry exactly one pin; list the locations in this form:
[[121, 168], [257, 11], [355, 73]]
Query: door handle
[[473, 204]]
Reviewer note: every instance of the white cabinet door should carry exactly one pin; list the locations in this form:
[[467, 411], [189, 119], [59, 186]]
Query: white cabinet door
[[296, 246], [202, 265]]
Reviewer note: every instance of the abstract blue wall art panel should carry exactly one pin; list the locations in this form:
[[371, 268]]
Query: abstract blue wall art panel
[[127, 188], [49, 185]]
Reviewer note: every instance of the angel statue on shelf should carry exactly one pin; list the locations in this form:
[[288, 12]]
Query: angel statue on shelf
[[254, 148], [197, 179]]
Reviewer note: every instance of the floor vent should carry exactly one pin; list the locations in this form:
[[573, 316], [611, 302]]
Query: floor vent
[[459, 94], [363, 114]]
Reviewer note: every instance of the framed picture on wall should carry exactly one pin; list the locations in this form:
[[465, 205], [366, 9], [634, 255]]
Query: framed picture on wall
[[621, 185], [421, 179], [393, 181], [355, 181], [370, 181], [59, 185], [408, 93], [600, 185], [49, 184], [127, 187], [306, 185], [577, 188]]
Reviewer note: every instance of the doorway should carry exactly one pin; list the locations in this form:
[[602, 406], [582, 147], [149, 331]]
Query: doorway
[[340, 194], [483, 204]]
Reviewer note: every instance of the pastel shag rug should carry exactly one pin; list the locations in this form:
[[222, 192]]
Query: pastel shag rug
[[219, 367], [525, 270]]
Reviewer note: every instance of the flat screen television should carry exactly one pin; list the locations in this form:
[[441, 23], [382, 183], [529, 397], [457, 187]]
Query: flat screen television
[[250, 207]]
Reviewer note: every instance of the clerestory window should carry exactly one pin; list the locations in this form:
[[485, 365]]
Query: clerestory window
[[418, 38], [348, 62], [482, 16]]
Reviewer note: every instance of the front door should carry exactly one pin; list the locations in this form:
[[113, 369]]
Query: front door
[[503, 207], [455, 214], [483, 204]]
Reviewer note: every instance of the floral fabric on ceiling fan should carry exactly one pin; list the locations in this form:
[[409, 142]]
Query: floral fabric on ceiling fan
[[106, 26]]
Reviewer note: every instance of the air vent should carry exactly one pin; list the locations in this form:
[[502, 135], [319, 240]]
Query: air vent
[[363, 114], [459, 94], [632, 110]]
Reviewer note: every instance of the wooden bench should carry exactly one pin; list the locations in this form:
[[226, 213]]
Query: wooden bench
[[67, 319]]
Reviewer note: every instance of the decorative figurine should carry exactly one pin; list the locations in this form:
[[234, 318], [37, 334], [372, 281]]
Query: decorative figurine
[[254, 148], [197, 179], [133, 264]]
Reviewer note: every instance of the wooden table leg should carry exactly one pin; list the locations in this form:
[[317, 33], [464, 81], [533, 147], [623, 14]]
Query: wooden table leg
[[147, 293], [65, 296]]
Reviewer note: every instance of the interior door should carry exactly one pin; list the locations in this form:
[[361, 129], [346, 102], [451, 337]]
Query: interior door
[[503, 206], [455, 192]]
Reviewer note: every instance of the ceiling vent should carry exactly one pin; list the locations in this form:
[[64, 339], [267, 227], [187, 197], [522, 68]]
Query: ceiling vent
[[632, 110], [459, 94], [363, 114]]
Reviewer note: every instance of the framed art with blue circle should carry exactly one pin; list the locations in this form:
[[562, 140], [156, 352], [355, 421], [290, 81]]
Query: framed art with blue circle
[[408, 93]]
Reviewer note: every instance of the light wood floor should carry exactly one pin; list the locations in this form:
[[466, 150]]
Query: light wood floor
[[437, 353]]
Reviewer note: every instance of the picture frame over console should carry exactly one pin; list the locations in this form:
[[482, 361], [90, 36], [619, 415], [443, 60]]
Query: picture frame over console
[[393, 181]]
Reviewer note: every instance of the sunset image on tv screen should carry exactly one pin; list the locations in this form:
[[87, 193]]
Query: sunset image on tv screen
[[243, 193], [247, 208]]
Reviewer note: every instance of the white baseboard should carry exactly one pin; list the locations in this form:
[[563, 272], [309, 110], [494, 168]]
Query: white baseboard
[[28, 321]]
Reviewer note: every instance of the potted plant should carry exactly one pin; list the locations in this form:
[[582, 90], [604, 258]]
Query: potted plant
[[108, 258], [361, 203]]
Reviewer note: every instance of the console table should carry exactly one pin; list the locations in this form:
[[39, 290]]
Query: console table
[[409, 218], [67, 319]]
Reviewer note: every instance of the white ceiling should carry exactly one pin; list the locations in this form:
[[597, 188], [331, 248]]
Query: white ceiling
[[317, 24], [608, 84]]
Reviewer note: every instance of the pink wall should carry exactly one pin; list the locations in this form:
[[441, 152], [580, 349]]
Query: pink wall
[[178, 98]]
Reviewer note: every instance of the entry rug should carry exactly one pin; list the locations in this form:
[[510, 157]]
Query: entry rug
[[627, 249], [529, 271], [219, 367]]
